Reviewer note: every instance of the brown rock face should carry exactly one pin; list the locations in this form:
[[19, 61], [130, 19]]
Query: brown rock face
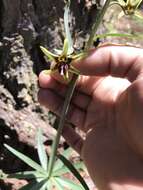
[[24, 25]]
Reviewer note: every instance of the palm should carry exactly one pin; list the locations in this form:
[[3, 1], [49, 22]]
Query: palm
[[110, 103], [113, 136], [99, 96]]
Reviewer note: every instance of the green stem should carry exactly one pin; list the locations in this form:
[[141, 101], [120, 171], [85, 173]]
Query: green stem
[[61, 122], [70, 91], [98, 20]]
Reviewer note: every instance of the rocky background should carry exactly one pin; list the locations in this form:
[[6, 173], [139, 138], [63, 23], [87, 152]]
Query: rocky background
[[24, 26]]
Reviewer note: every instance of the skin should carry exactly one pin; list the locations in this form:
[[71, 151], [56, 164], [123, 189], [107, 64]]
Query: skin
[[108, 107]]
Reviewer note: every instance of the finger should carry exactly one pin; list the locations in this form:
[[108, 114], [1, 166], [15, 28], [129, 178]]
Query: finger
[[84, 85], [72, 138], [79, 98], [118, 61], [54, 102], [43, 77]]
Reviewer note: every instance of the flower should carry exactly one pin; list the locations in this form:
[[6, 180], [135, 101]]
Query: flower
[[61, 61], [130, 7]]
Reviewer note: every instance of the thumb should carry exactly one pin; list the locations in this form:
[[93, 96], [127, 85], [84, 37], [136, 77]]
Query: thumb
[[118, 61]]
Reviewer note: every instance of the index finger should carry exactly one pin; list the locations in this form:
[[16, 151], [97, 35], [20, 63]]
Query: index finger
[[118, 61]]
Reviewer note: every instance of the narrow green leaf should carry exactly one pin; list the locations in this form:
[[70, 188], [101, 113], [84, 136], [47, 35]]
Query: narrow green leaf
[[50, 55], [28, 186], [25, 159], [39, 186], [65, 48], [57, 184], [35, 186], [49, 185], [60, 172], [66, 153], [44, 187], [68, 184], [74, 171], [41, 150], [65, 170], [26, 175], [67, 29]]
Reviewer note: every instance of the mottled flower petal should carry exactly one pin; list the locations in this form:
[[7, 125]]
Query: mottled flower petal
[[58, 51], [48, 72], [74, 70], [50, 55], [78, 56]]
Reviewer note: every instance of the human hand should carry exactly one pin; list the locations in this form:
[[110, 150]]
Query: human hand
[[109, 110]]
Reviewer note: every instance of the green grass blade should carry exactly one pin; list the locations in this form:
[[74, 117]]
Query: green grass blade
[[67, 29], [41, 150], [25, 159], [74, 171], [26, 175], [68, 184]]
